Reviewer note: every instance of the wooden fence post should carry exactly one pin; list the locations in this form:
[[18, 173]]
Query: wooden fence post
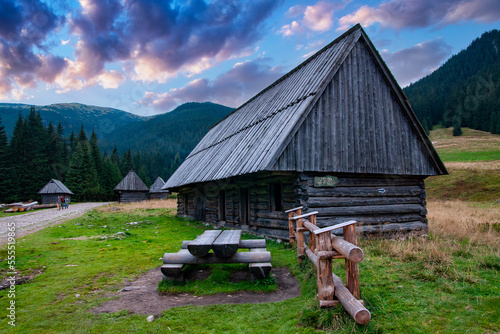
[[312, 237], [352, 268], [300, 239], [326, 288]]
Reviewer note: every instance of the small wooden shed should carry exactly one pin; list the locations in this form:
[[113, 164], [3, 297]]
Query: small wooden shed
[[335, 135], [131, 189], [52, 190], [156, 191]]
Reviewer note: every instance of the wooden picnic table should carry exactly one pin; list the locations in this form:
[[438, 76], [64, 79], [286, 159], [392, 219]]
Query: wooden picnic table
[[225, 246]]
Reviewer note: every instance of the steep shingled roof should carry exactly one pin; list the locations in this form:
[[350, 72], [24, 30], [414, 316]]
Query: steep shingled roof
[[253, 137], [131, 182], [55, 187], [157, 186]]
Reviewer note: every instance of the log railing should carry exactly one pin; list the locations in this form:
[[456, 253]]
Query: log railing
[[322, 248]]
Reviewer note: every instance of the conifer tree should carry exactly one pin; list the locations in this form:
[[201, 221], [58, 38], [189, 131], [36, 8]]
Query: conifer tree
[[4, 165], [18, 160], [127, 163]]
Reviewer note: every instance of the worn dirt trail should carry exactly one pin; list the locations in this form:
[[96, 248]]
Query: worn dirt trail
[[34, 221]]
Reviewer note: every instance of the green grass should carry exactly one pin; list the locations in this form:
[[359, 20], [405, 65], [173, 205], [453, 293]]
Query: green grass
[[468, 156], [456, 290], [466, 185]]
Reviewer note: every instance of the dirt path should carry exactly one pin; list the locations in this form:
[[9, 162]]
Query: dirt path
[[34, 221], [142, 296]]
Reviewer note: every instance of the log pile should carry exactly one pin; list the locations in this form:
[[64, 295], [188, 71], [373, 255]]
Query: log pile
[[22, 207]]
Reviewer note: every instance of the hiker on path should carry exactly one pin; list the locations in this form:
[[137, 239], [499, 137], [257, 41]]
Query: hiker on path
[[58, 203]]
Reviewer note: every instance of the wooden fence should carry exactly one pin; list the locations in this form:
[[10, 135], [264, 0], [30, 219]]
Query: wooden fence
[[322, 248]]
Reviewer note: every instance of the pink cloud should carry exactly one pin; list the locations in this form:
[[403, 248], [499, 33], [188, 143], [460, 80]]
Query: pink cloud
[[231, 88], [400, 14]]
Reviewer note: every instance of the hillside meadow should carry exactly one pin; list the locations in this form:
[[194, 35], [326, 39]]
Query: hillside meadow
[[445, 282]]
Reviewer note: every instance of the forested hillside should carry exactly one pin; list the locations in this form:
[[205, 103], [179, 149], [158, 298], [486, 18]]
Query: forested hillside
[[465, 91], [165, 140], [37, 153]]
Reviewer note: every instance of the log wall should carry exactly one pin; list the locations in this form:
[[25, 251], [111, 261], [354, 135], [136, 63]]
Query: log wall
[[381, 205], [52, 198], [158, 195], [132, 196]]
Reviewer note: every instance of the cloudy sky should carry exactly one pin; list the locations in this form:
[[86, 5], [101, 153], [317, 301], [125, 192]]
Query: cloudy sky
[[148, 56]]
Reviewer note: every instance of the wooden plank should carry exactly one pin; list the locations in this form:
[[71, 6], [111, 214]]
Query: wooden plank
[[378, 191], [227, 243], [371, 210], [202, 245], [183, 256], [244, 244], [334, 227], [304, 215], [324, 269], [327, 201], [294, 209]]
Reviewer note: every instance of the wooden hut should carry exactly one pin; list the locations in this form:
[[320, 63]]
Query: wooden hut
[[156, 191], [335, 135], [52, 190], [131, 189]]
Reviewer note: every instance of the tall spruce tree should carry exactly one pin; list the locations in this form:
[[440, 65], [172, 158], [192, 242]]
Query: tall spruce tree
[[37, 148], [4, 165], [18, 158]]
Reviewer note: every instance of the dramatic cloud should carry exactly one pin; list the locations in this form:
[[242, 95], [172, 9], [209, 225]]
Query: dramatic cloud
[[399, 14], [413, 63], [231, 88], [24, 27], [161, 39], [152, 40], [317, 17]]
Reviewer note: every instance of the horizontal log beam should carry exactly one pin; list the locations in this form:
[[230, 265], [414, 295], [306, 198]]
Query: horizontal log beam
[[357, 311], [347, 249], [365, 191], [311, 255], [371, 210], [184, 257], [319, 202], [311, 227]]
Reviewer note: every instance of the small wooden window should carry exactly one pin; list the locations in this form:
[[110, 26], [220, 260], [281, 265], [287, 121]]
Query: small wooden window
[[222, 205], [275, 195]]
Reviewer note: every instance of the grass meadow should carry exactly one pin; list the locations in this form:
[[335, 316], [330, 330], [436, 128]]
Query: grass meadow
[[446, 282]]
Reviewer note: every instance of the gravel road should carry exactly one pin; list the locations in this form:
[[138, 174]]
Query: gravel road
[[34, 221]]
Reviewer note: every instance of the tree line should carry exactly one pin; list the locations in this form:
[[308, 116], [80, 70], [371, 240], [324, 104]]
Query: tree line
[[37, 153]]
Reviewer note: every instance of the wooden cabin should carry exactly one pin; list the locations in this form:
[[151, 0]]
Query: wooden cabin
[[131, 189], [335, 135], [156, 191], [53, 189]]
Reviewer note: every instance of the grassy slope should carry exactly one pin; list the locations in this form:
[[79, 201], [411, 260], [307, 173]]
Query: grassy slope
[[473, 162], [424, 285]]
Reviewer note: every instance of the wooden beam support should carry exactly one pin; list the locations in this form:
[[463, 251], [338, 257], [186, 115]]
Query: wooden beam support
[[325, 283], [352, 267], [295, 209], [305, 215], [311, 256]]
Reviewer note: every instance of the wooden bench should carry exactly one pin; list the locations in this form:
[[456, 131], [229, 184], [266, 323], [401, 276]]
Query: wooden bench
[[225, 245]]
